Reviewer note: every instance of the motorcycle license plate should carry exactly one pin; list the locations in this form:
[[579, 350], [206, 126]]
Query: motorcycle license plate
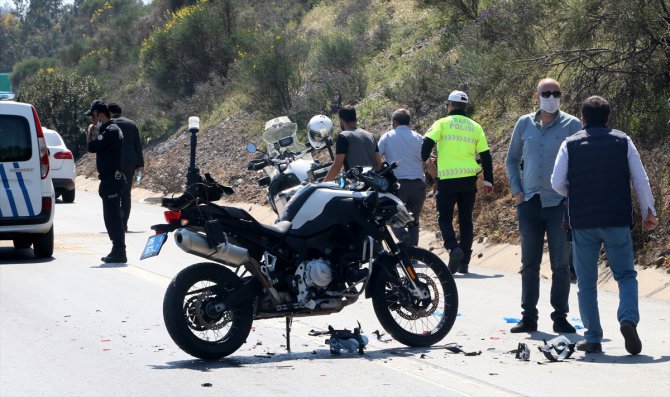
[[154, 245]]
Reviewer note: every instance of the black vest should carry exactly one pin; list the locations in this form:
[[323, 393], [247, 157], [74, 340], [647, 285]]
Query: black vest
[[599, 191]]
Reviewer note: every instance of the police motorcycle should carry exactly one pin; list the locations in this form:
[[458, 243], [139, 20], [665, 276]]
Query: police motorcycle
[[330, 247], [287, 163]]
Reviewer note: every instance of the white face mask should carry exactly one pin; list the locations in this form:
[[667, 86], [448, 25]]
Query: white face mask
[[99, 124], [550, 105]]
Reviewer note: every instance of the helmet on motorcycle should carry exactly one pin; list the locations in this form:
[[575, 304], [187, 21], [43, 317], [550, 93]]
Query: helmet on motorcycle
[[318, 129]]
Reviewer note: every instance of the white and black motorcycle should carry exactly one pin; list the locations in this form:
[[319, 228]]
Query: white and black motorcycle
[[286, 162], [330, 247]]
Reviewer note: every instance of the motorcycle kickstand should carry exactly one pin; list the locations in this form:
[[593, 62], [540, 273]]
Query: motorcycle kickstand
[[289, 323]]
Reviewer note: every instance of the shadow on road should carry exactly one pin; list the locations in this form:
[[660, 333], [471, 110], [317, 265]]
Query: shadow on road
[[109, 265], [477, 276], [13, 256], [274, 358], [603, 358]]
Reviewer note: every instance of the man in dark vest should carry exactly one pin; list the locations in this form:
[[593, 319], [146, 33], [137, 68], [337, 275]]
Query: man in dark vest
[[133, 160], [595, 169]]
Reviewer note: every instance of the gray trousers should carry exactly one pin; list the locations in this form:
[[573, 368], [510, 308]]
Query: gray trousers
[[412, 192]]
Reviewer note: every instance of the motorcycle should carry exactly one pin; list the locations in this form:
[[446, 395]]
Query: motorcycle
[[330, 247], [286, 163]]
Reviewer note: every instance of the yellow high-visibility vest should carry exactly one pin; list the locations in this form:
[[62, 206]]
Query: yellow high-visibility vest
[[458, 140]]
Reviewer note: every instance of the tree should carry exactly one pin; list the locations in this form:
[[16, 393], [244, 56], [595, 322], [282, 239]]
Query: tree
[[61, 97]]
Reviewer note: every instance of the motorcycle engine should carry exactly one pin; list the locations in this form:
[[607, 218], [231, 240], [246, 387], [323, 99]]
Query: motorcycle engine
[[317, 273], [312, 274]]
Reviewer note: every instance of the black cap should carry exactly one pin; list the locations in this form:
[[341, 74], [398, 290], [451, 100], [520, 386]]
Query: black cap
[[96, 105]]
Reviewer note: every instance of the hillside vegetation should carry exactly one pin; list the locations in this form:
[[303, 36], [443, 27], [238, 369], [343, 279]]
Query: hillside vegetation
[[239, 63]]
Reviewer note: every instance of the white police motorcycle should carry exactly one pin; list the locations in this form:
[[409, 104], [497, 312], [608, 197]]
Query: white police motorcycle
[[287, 163]]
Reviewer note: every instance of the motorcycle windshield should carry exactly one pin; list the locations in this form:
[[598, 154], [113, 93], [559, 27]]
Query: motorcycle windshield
[[281, 138]]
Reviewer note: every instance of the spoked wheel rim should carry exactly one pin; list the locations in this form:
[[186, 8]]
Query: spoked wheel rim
[[416, 316], [198, 310], [410, 320]]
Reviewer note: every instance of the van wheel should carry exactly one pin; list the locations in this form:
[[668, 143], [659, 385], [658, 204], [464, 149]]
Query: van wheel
[[22, 243], [43, 244], [68, 196]]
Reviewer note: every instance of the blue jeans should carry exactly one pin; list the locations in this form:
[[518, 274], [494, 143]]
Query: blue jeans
[[534, 222], [619, 249]]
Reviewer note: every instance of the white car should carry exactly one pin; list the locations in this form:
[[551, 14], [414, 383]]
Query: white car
[[26, 194], [61, 161]]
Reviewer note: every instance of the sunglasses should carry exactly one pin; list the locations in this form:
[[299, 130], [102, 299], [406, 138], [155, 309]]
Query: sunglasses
[[547, 94]]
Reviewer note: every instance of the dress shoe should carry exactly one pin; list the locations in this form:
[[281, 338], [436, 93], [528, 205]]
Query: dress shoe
[[633, 342], [589, 347], [455, 257], [525, 325], [562, 326]]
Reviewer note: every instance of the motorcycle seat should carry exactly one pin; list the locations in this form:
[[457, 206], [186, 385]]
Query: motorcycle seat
[[279, 229]]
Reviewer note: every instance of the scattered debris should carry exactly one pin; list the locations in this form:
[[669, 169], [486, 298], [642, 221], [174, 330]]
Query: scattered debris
[[382, 337], [206, 385], [480, 255], [511, 320], [456, 348], [522, 352], [557, 349], [423, 355]]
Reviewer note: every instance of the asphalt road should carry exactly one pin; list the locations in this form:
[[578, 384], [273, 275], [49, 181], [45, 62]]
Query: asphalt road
[[74, 326]]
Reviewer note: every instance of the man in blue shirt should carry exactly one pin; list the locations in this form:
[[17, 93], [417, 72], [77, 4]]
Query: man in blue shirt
[[595, 168], [403, 145], [530, 160]]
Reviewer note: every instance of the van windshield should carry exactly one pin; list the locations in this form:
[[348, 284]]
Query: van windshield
[[15, 144]]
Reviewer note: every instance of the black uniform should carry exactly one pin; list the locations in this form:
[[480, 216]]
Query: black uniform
[[132, 160], [108, 147]]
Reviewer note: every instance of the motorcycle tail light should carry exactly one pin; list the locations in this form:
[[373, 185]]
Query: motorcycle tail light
[[184, 222], [172, 216]]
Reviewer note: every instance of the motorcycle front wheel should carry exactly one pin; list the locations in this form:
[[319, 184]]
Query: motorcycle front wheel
[[190, 318], [409, 320]]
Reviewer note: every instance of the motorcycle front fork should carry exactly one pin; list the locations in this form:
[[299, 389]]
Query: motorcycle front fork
[[418, 289]]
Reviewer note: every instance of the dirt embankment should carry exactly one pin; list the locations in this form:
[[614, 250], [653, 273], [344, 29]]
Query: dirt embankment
[[221, 151]]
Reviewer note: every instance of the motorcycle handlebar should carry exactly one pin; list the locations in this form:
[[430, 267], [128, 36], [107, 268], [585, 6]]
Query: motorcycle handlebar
[[258, 164]]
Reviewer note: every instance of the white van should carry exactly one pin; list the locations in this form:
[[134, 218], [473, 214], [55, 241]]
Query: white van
[[26, 191]]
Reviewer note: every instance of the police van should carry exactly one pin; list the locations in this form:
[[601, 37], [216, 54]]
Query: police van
[[26, 191]]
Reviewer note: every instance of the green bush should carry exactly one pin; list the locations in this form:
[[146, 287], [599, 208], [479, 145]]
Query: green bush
[[60, 98], [196, 42], [28, 67]]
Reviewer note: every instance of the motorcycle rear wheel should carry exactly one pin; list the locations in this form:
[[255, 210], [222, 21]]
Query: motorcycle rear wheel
[[196, 330], [409, 321]]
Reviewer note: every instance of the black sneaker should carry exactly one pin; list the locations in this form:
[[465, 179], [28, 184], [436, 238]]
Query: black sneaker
[[455, 257], [589, 347], [525, 325], [562, 326], [633, 342]]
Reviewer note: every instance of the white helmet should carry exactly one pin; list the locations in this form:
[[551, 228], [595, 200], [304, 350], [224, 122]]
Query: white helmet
[[319, 128]]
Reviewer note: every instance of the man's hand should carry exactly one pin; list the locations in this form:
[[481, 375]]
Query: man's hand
[[650, 223], [487, 188], [518, 198], [92, 130]]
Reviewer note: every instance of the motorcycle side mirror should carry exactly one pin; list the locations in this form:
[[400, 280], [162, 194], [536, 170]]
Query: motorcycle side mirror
[[251, 148]]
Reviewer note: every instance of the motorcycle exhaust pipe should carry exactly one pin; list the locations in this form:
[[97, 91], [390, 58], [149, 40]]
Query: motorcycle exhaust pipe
[[197, 244]]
